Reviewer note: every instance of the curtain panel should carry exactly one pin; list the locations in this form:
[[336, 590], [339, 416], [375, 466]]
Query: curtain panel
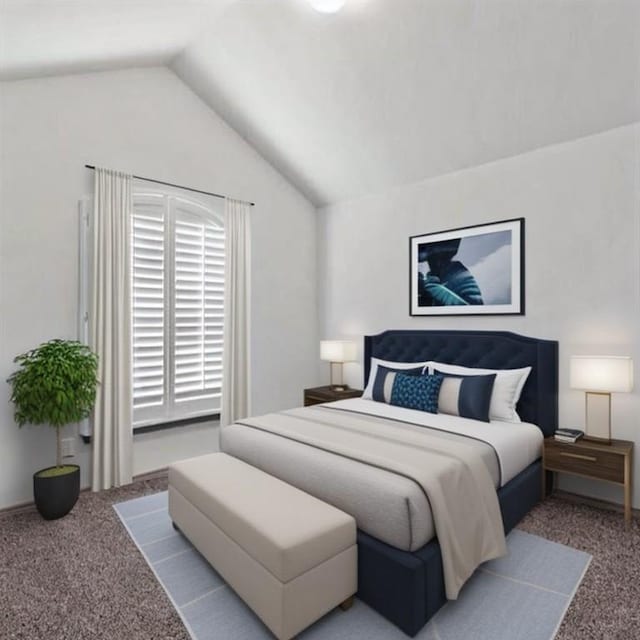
[[110, 329], [237, 313]]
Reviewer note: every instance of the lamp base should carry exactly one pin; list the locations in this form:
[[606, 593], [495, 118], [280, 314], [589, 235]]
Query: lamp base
[[598, 417], [336, 386]]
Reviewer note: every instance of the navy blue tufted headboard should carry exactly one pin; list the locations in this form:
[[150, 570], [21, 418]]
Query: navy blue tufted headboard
[[489, 349]]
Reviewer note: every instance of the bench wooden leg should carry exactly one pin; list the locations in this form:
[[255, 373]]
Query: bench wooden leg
[[347, 604], [175, 526]]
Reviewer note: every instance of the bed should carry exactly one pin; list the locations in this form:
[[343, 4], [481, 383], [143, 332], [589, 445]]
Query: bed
[[400, 561]]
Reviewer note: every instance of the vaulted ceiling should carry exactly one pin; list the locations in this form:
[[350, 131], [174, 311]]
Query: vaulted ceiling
[[52, 37], [383, 93]]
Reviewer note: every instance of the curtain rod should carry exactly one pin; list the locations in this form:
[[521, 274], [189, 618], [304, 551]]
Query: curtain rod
[[178, 186]]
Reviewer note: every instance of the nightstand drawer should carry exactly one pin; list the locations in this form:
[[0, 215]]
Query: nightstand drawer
[[572, 458]]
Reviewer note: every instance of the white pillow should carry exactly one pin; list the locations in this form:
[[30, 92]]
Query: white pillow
[[506, 388], [368, 390]]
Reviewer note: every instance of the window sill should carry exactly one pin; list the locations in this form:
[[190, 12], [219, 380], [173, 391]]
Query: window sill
[[165, 426], [175, 424]]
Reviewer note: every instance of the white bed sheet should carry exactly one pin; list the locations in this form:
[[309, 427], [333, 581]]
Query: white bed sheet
[[390, 507], [516, 444]]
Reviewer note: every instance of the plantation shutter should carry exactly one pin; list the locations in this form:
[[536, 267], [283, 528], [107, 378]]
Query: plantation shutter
[[199, 310], [178, 309], [149, 296]]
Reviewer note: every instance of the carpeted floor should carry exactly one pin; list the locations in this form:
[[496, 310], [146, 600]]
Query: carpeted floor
[[82, 577], [607, 604]]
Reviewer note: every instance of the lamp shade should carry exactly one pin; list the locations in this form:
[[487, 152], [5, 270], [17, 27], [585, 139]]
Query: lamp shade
[[327, 6], [601, 373], [338, 350]]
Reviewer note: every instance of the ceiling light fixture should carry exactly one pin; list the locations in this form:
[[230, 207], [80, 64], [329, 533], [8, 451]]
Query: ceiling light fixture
[[327, 6]]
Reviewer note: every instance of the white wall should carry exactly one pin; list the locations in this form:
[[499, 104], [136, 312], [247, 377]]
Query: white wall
[[581, 204], [148, 122]]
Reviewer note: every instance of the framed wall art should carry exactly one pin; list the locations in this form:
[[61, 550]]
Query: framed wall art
[[475, 270]]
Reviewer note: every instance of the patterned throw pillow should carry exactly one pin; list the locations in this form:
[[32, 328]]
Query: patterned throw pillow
[[383, 383], [416, 392], [466, 396]]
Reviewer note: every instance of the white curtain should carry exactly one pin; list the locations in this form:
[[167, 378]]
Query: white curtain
[[110, 329], [237, 313]]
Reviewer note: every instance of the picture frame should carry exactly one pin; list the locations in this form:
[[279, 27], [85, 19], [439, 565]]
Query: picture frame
[[468, 271]]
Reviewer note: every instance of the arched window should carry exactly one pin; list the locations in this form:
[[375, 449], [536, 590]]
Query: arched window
[[178, 307]]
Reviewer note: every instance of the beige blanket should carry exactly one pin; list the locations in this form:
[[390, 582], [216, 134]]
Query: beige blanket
[[456, 482]]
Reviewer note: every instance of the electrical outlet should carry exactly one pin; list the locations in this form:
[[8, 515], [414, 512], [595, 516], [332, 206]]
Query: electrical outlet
[[68, 448]]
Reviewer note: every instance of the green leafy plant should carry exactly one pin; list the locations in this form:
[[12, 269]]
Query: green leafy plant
[[55, 384]]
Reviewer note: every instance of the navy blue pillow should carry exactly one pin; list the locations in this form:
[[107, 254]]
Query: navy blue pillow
[[417, 392], [466, 396], [383, 383]]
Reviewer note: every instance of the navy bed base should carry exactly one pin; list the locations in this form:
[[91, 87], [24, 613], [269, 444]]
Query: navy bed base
[[406, 587]]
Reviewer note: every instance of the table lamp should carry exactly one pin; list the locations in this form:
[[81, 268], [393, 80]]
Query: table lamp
[[600, 376], [336, 352]]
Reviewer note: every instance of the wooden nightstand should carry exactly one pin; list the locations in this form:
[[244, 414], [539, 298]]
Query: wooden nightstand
[[319, 395], [590, 459]]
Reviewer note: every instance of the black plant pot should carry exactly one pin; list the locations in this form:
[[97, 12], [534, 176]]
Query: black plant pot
[[55, 496]]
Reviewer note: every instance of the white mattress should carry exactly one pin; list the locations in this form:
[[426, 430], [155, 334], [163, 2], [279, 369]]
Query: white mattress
[[387, 506]]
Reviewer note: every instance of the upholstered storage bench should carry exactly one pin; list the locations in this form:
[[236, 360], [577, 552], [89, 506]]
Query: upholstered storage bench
[[289, 556]]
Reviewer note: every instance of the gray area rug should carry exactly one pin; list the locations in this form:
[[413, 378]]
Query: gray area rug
[[523, 596]]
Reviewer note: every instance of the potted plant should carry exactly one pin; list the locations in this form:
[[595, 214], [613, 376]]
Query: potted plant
[[55, 384]]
